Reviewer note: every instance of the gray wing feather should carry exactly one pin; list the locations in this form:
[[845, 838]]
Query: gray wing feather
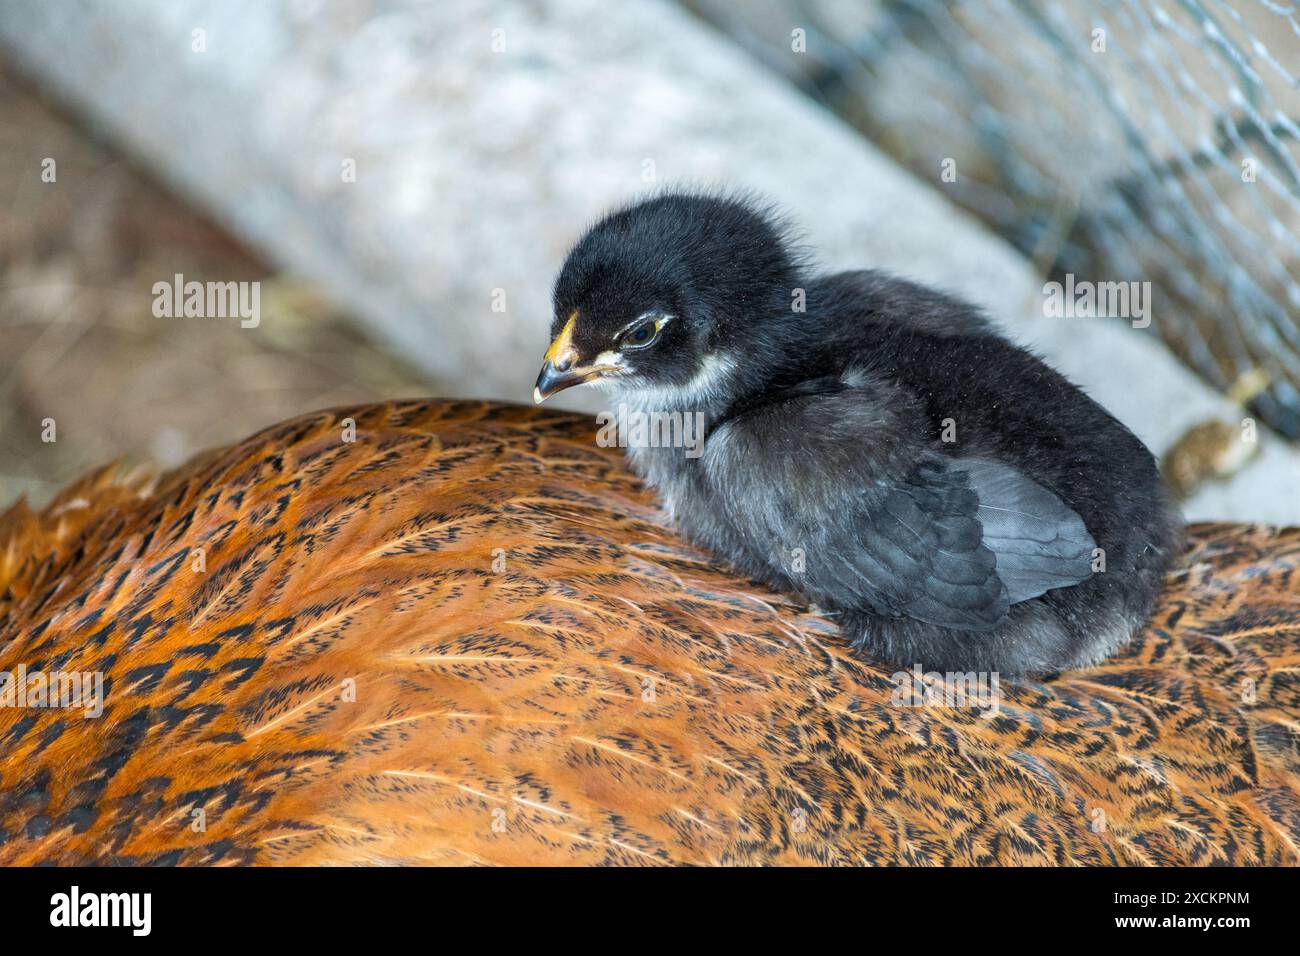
[[955, 545], [953, 542], [1040, 543]]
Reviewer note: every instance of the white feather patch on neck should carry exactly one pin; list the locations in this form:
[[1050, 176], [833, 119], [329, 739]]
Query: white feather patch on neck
[[704, 388]]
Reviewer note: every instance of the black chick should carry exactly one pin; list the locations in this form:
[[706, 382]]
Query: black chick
[[870, 443]]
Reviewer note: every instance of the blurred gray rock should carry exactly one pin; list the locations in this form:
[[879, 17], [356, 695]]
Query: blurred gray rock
[[485, 135]]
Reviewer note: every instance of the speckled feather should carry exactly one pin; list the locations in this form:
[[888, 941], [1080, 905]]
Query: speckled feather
[[605, 695]]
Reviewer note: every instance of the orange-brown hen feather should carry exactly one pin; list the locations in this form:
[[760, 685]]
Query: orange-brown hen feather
[[469, 637]]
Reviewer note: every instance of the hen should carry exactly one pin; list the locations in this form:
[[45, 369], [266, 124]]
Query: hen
[[468, 636]]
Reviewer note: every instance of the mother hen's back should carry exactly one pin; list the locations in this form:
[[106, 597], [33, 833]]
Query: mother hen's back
[[467, 637]]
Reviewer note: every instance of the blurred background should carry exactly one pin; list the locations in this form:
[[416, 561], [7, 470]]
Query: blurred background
[[403, 179]]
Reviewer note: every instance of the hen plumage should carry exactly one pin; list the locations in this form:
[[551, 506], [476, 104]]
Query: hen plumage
[[470, 637]]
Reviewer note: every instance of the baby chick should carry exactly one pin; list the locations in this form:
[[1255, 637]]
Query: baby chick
[[870, 443]]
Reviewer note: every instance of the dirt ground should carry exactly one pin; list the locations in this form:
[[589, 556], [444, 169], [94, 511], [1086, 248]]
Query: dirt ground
[[79, 342]]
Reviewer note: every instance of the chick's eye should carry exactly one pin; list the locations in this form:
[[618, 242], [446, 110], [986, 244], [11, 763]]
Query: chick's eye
[[642, 335]]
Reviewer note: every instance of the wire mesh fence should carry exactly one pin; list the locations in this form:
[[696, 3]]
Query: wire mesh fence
[[1133, 140]]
